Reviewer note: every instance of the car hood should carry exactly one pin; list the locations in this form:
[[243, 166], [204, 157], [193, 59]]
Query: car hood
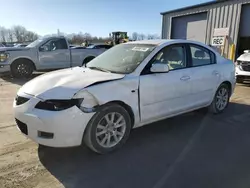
[[14, 49], [63, 84], [244, 57]]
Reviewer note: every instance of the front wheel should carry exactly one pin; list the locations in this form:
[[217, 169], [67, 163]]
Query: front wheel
[[221, 99], [108, 130], [22, 69]]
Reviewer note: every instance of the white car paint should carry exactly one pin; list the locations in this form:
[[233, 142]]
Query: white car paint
[[243, 60], [151, 97]]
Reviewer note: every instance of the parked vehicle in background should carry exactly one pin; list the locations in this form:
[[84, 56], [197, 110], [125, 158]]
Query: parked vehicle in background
[[243, 67], [1, 45], [128, 86], [99, 46], [44, 54], [79, 47], [20, 45]]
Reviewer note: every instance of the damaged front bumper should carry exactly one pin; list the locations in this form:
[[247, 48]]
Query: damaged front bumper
[[63, 128]]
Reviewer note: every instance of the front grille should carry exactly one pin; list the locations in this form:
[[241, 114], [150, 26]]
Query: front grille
[[246, 68], [22, 126], [21, 100]]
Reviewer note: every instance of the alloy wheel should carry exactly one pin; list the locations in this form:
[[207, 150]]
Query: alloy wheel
[[110, 130], [222, 98]]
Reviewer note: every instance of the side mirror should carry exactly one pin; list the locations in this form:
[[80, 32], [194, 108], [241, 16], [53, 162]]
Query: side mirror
[[159, 68], [41, 49]]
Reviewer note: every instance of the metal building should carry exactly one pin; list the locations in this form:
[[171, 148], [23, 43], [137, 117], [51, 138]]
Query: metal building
[[200, 22]]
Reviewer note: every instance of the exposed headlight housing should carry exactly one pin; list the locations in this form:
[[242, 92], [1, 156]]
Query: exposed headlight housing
[[58, 105], [3, 56], [88, 103]]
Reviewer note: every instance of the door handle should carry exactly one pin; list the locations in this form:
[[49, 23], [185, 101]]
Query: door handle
[[216, 73], [184, 78]]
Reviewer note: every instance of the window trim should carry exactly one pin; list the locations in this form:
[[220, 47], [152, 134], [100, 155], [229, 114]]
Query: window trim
[[186, 53], [201, 47]]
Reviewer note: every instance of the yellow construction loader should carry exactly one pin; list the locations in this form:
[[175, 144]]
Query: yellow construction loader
[[118, 37]]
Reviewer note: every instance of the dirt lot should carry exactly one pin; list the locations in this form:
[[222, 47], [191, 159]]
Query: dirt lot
[[192, 150]]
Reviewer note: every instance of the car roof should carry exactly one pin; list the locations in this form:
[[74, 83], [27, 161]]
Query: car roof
[[159, 42]]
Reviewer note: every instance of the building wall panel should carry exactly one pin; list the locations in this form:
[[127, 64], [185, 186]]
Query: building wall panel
[[224, 14]]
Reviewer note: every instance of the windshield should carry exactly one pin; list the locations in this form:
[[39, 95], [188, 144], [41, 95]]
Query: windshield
[[123, 58], [35, 43]]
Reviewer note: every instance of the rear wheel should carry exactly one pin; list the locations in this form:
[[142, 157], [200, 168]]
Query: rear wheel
[[221, 99], [108, 130], [22, 69]]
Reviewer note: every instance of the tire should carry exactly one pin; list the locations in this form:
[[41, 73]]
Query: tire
[[87, 60], [108, 139], [215, 108], [22, 69]]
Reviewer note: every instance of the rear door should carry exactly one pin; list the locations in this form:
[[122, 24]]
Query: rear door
[[205, 75], [54, 54]]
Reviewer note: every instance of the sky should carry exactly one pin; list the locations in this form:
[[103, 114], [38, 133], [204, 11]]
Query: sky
[[97, 17]]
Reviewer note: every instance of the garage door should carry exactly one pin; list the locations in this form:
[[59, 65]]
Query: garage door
[[192, 27], [245, 21]]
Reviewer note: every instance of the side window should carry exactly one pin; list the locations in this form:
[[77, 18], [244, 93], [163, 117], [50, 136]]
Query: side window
[[61, 44], [201, 56], [53, 45], [173, 56]]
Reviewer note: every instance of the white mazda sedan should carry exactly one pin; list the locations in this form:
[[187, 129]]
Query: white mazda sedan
[[128, 86]]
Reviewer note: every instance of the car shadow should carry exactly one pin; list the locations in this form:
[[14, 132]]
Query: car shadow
[[19, 81], [170, 153], [245, 84]]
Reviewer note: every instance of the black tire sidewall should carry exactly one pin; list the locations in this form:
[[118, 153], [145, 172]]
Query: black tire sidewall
[[15, 73], [90, 134], [214, 108]]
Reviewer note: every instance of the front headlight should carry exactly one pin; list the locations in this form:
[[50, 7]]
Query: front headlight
[[3, 56], [238, 64], [88, 103], [58, 105]]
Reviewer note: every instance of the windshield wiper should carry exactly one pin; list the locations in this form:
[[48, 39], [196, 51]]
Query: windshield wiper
[[99, 68]]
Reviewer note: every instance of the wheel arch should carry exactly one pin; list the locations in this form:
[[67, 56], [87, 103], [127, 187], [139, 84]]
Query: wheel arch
[[23, 59], [126, 107], [85, 61], [229, 84]]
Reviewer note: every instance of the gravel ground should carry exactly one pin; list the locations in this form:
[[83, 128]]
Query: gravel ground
[[192, 150]]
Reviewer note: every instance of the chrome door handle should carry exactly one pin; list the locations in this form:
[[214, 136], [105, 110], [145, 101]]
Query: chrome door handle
[[185, 78]]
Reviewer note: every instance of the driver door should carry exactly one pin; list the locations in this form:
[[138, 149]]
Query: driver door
[[168, 93], [54, 54]]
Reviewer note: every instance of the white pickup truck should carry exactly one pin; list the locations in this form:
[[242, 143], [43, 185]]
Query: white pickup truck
[[44, 54]]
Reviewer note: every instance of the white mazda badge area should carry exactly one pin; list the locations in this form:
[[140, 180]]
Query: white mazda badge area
[[128, 86]]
